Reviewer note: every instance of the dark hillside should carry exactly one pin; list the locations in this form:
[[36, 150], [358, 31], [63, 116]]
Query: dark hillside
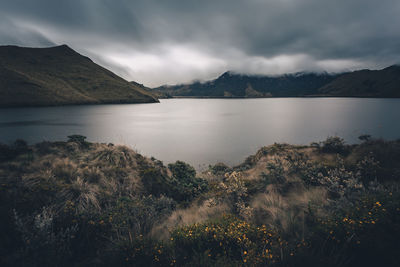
[[366, 83], [60, 76]]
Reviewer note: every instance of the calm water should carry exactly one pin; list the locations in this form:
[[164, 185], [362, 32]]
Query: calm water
[[205, 131]]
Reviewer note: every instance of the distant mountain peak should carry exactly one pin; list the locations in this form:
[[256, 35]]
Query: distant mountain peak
[[63, 47], [230, 74], [227, 74]]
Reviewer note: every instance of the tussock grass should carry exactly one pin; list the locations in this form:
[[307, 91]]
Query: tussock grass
[[110, 205]]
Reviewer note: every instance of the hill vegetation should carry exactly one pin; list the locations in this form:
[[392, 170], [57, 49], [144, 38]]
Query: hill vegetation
[[60, 76], [231, 84], [78, 203], [365, 83]]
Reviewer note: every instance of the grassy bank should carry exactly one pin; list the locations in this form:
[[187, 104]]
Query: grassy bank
[[78, 203]]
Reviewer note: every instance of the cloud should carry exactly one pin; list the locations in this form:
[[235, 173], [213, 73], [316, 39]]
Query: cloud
[[12, 33], [157, 42]]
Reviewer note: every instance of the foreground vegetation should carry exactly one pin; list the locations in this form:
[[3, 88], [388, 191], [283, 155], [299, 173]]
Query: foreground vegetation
[[77, 203]]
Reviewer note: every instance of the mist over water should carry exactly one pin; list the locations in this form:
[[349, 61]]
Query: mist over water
[[207, 131]]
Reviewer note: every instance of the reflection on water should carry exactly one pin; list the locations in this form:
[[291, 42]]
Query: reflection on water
[[206, 131]]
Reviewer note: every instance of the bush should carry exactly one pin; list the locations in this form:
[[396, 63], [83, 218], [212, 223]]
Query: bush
[[333, 144], [76, 138], [18, 147], [228, 241], [157, 183], [44, 148], [219, 169], [186, 184], [362, 233], [182, 171], [183, 186], [233, 191], [42, 244], [79, 139], [6, 153], [365, 137], [134, 217]]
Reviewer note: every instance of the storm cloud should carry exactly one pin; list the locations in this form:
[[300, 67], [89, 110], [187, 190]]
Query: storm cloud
[[171, 41]]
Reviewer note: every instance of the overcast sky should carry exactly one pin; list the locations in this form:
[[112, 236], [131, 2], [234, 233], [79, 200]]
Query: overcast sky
[[175, 41]]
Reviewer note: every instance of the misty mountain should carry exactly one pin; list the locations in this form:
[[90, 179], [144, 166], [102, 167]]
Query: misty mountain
[[232, 84], [60, 76], [364, 83]]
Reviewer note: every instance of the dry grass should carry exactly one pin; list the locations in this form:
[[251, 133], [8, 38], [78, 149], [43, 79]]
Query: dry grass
[[82, 174], [194, 214], [286, 213]]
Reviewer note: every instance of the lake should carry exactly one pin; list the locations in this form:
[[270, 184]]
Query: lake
[[207, 131]]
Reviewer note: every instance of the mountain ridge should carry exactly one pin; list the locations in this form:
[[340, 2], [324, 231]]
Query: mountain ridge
[[347, 84], [231, 84], [60, 76]]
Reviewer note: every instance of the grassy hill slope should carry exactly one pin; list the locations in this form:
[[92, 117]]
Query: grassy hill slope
[[60, 76], [366, 83]]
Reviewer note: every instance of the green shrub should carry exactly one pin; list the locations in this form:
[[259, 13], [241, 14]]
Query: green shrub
[[42, 243], [333, 144], [157, 183], [362, 233], [230, 240], [186, 185], [219, 169], [10, 152], [79, 139], [134, 217]]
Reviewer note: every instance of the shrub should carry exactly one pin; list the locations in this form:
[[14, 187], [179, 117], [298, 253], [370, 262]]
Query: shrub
[[186, 185], [219, 169], [228, 241], [44, 147], [76, 138], [234, 191], [79, 139], [275, 174], [182, 171], [130, 218], [365, 137], [18, 147], [333, 144], [6, 153], [362, 233], [156, 183], [42, 243], [340, 181]]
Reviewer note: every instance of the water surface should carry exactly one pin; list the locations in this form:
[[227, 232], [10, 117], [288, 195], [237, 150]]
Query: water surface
[[206, 131]]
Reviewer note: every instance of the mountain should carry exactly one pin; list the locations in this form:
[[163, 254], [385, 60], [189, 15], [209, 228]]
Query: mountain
[[363, 83], [60, 76], [366, 83], [232, 84]]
